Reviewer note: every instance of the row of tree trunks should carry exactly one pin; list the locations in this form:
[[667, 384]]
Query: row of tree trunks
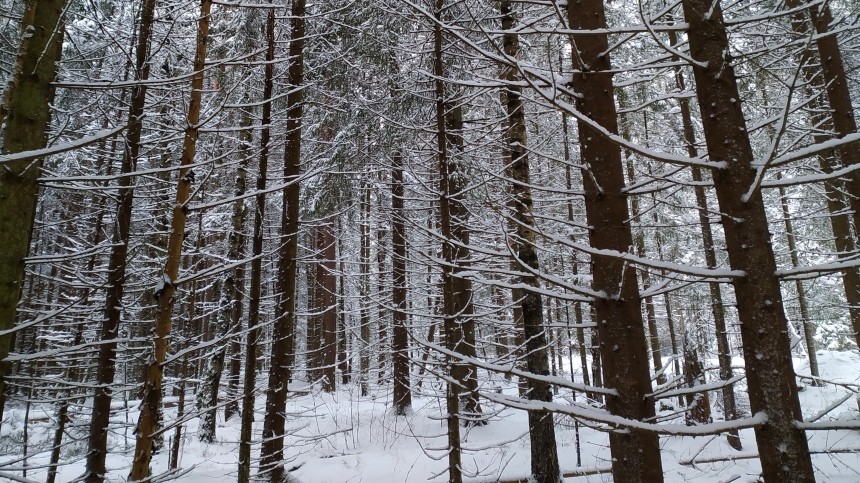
[[782, 446], [840, 119], [623, 347]]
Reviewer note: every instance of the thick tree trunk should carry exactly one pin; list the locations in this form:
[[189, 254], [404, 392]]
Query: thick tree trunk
[[773, 391], [544, 454], [100, 419], [400, 339], [27, 113], [149, 421], [623, 347], [272, 450]]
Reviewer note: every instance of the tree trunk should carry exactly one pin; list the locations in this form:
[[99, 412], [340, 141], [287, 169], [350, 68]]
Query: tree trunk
[[449, 325], [364, 311], [400, 340], [544, 454], [150, 415], [623, 347], [327, 285], [782, 446], [236, 251], [272, 450], [100, 419], [27, 112]]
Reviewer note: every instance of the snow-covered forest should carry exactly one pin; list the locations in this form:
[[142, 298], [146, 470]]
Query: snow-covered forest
[[429, 240]]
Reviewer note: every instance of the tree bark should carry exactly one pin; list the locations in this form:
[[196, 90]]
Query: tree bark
[[400, 339], [449, 324], [623, 347], [782, 446], [272, 450], [27, 111], [106, 371], [544, 453], [149, 421]]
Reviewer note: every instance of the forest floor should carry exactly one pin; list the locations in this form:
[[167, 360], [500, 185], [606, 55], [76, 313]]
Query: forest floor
[[341, 437]]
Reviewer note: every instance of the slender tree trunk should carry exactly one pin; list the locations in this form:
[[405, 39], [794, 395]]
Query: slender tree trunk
[[343, 359], [100, 419], [544, 454], [327, 284], [364, 311], [149, 421], [449, 325], [272, 451], [808, 330], [623, 347], [26, 109], [236, 251], [400, 339], [255, 291], [782, 446]]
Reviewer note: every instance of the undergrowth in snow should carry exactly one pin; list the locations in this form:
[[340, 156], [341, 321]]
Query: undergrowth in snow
[[342, 437]]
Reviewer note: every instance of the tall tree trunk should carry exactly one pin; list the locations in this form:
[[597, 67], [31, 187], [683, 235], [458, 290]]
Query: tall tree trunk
[[343, 359], [26, 108], [274, 421], [149, 421], [544, 454], [237, 241], [255, 292], [327, 285], [364, 310], [623, 348], [400, 340], [773, 391], [100, 419], [724, 354], [449, 325], [457, 241]]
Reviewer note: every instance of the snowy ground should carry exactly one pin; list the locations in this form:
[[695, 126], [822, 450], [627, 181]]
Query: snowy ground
[[346, 438]]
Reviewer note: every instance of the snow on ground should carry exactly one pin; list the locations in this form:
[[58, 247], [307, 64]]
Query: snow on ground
[[341, 437]]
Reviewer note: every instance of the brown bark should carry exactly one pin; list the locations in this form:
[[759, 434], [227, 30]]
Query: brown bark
[[150, 415], [544, 454], [272, 450], [449, 324], [327, 286], [782, 446], [623, 348], [255, 290], [400, 339], [106, 371]]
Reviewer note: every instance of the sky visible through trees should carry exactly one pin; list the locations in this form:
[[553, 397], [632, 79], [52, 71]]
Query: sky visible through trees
[[412, 240]]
